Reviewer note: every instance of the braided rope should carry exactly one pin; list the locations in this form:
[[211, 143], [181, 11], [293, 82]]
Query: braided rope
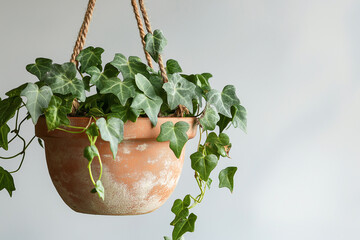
[[80, 41]]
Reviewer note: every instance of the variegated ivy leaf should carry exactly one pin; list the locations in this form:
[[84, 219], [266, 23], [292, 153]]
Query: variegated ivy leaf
[[16, 91], [4, 131], [100, 189], [150, 106], [40, 68], [172, 66], [145, 86], [123, 90], [89, 57], [210, 118], [176, 134], [6, 181], [223, 101], [97, 76], [62, 79], [37, 99], [200, 80], [218, 145], [111, 130], [129, 68], [8, 108], [179, 91], [239, 117], [226, 178], [155, 44], [56, 113], [203, 164]]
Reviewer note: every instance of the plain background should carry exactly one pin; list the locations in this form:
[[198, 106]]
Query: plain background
[[295, 64]]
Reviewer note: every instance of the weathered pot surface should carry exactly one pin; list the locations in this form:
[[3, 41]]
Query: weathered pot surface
[[139, 180]]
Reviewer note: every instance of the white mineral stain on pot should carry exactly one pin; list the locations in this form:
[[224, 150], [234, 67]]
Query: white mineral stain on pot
[[126, 150], [142, 147]]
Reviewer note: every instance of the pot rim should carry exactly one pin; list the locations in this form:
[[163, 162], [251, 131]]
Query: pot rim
[[131, 129]]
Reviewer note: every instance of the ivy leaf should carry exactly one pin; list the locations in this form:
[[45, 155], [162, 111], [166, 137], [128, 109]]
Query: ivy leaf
[[111, 130], [37, 99], [150, 106], [62, 79], [40, 68], [223, 122], [179, 91], [97, 76], [200, 80], [203, 164], [90, 152], [124, 112], [176, 134], [6, 181], [123, 90], [89, 57], [129, 68], [92, 130], [239, 117], [208, 183], [8, 108], [16, 91], [155, 43], [223, 101], [226, 178], [218, 145], [40, 142], [210, 118], [172, 66], [4, 131], [100, 189], [183, 226], [145, 86], [56, 114]]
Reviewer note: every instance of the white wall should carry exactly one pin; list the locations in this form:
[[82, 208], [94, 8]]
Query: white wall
[[295, 65]]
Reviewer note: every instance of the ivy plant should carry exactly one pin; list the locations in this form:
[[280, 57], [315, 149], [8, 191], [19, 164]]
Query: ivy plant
[[123, 90]]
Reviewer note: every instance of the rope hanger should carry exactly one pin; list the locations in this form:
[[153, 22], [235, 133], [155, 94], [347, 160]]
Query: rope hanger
[[80, 41]]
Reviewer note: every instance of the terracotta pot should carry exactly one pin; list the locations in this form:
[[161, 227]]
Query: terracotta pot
[[139, 180]]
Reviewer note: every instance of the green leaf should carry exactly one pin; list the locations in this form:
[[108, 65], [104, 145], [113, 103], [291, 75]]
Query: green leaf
[[200, 80], [16, 91], [179, 91], [123, 90], [155, 44], [56, 113], [100, 189], [129, 68], [89, 57], [203, 164], [6, 181], [145, 86], [90, 152], [124, 112], [239, 117], [172, 66], [40, 142], [208, 183], [97, 76], [176, 134], [226, 178], [183, 226], [167, 238], [222, 101], [37, 99], [96, 112], [40, 68], [210, 118], [223, 123], [150, 106], [111, 130], [4, 131], [218, 145], [62, 79], [8, 108], [92, 130]]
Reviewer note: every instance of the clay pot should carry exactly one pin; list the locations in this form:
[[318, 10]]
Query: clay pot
[[139, 180]]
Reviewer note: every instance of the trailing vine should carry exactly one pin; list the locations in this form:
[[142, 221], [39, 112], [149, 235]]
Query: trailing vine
[[124, 90]]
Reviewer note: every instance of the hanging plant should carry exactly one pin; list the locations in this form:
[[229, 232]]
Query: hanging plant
[[117, 113]]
